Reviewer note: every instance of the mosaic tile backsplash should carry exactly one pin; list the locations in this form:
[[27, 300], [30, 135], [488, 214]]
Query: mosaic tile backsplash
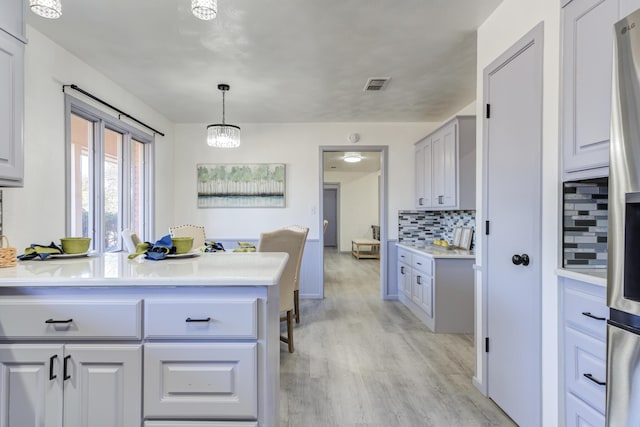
[[423, 227], [585, 223]]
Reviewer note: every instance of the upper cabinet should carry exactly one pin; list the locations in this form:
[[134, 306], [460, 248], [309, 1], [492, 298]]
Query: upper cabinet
[[587, 45], [11, 92], [445, 167]]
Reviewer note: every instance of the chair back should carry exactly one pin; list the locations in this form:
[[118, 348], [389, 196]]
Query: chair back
[[195, 231], [291, 242], [305, 230]]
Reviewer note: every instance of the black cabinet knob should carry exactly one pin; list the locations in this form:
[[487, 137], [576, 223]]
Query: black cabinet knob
[[520, 259]]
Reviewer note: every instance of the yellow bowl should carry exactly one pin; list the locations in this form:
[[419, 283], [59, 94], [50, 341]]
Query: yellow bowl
[[182, 244], [75, 245]]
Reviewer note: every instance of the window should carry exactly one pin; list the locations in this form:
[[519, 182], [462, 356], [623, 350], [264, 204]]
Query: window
[[109, 177]]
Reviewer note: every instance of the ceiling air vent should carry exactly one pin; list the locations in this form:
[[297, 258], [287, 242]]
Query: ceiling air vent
[[376, 83]]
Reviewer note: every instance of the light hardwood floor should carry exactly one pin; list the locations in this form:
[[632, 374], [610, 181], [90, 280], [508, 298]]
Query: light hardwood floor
[[360, 361]]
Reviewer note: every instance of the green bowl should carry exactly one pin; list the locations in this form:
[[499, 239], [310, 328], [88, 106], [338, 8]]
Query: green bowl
[[182, 244], [75, 245]]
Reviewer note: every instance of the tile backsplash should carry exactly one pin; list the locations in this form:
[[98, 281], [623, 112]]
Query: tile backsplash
[[422, 227], [584, 242]]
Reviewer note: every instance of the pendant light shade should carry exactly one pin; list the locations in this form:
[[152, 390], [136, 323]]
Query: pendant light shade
[[204, 9], [223, 135], [51, 9]]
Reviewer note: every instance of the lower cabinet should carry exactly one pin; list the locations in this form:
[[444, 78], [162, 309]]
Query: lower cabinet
[[174, 357], [437, 289], [584, 315], [85, 385]]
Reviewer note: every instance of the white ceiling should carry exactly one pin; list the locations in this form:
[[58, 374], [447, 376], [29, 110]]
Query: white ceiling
[[286, 60], [334, 162]]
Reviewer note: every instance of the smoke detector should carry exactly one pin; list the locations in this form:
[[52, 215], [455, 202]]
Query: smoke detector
[[376, 83]]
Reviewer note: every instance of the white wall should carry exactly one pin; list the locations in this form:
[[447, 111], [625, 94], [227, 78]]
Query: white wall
[[358, 205], [296, 145], [511, 20], [36, 213]]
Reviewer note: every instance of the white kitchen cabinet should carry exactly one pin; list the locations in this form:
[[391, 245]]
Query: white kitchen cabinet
[[31, 379], [12, 19], [68, 385], [438, 289], [445, 166], [11, 110], [584, 316], [404, 272], [587, 44]]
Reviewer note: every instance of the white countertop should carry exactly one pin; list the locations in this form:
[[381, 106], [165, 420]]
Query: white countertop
[[595, 276], [115, 269], [438, 251]]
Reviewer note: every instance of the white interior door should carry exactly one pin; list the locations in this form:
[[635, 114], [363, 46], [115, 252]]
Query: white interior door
[[512, 164]]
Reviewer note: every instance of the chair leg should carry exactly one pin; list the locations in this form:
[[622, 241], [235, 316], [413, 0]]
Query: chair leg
[[296, 305], [289, 338], [290, 330]]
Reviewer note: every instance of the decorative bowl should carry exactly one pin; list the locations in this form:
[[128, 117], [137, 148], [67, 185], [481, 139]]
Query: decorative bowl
[[75, 245], [182, 244]]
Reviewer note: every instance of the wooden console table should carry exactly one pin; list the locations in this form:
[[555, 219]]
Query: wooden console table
[[373, 246]]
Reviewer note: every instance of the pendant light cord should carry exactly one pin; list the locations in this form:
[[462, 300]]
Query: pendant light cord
[[223, 106]]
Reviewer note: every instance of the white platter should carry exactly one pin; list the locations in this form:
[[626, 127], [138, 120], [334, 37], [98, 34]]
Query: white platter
[[185, 255], [83, 254]]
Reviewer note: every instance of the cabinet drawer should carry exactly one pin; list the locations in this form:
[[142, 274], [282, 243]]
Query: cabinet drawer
[[587, 312], [201, 381], [585, 355], [70, 320], [201, 319], [423, 264], [404, 256], [579, 414], [200, 424]]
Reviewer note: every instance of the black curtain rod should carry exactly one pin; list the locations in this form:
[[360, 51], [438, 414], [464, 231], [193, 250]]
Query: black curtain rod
[[95, 98]]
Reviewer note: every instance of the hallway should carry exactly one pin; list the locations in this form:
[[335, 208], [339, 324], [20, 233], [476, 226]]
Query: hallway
[[360, 361]]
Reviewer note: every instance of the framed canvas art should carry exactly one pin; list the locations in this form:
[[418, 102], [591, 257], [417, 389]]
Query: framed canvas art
[[241, 185]]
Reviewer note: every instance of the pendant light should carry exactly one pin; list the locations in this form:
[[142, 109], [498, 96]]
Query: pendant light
[[223, 135], [51, 9], [204, 9]]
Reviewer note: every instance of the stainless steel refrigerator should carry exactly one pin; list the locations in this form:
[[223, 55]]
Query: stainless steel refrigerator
[[623, 281]]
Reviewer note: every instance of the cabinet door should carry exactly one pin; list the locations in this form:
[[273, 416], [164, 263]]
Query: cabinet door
[[423, 175], [628, 6], [404, 279], [426, 302], [443, 190], [11, 109], [417, 279], [586, 84], [103, 386], [12, 17], [30, 385]]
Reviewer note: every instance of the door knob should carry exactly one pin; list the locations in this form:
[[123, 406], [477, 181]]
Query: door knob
[[520, 259]]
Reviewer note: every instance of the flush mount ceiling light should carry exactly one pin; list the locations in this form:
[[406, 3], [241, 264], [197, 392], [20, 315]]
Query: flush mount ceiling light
[[352, 157], [51, 9], [223, 135], [204, 9]]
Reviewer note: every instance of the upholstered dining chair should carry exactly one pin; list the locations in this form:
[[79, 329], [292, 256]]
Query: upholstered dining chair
[[296, 292], [187, 230], [291, 242]]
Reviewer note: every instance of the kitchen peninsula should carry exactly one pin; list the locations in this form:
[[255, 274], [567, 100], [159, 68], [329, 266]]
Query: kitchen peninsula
[[120, 342]]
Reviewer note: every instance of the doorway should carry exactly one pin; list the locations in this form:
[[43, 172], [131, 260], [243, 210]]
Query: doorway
[[350, 228], [512, 255], [330, 209]]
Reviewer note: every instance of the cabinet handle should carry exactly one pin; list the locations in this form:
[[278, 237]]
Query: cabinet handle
[[51, 359], [595, 380], [588, 314], [420, 200], [189, 319], [419, 280], [58, 321], [401, 269], [419, 263], [440, 200], [64, 368]]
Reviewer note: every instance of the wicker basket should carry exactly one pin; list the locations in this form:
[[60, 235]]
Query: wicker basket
[[7, 253]]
